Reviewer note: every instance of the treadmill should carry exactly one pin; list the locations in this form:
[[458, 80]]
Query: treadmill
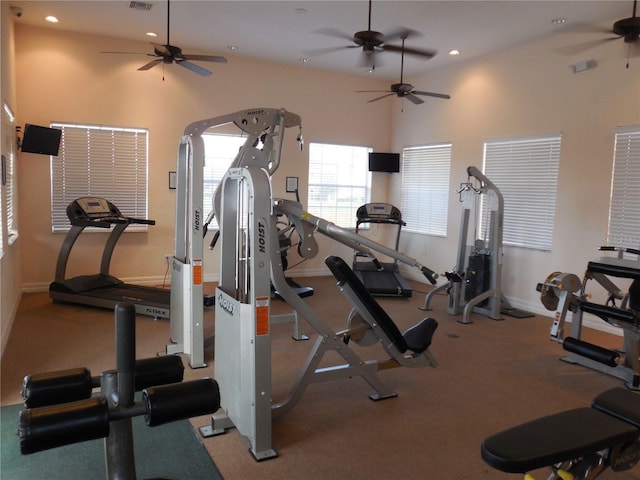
[[380, 279], [102, 289]]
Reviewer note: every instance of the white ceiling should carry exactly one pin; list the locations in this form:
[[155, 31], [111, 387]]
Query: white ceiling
[[287, 31]]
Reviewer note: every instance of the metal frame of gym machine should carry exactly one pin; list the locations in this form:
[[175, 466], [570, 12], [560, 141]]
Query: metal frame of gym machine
[[250, 261], [456, 286]]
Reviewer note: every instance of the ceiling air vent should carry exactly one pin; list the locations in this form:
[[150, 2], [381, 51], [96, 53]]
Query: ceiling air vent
[[140, 6]]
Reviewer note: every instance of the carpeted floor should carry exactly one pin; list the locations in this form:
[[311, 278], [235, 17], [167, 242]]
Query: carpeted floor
[[171, 452], [490, 375]]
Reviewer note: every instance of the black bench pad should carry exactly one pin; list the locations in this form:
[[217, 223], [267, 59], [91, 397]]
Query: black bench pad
[[553, 439], [620, 271], [620, 403]]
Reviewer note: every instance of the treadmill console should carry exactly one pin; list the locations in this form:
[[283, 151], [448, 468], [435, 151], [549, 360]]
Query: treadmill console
[[97, 212], [378, 213]]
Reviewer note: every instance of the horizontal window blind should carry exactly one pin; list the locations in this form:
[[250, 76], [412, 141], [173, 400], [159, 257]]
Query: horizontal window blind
[[624, 211], [108, 162], [525, 171], [339, 182], [10, 203], [425, 188], [219, 152]]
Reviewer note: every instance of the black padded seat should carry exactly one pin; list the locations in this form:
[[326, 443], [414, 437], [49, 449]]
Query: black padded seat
[[554, 439], [614, 270], [620, 403], [417, 338]]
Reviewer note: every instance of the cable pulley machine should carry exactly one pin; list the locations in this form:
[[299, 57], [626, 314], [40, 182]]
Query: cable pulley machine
[[475, 284]]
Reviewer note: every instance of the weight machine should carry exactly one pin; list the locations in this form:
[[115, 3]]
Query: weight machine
[[251, 261], [475, 285], [262, 126], [564, 292]]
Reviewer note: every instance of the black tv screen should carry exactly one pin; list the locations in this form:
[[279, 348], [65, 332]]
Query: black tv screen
[[384, 162], [43, 140]]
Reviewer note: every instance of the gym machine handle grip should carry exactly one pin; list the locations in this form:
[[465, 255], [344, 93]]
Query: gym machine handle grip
[[429, 274], [377, 264], [608, 248]]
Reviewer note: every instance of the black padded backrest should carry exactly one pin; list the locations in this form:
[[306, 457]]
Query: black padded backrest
[[345, 275]]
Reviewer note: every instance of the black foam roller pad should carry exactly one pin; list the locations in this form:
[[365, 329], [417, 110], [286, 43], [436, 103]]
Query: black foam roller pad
[[57, 425], [169, 403], [158, 371], [589, 350], [52, 388]]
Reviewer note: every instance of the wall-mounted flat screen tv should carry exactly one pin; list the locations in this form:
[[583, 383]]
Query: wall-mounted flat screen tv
[[43, 140], [384, 162]]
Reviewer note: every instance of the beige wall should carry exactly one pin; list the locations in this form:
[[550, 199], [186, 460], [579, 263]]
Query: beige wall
[[523, 91], [10, 275], [64, 77]]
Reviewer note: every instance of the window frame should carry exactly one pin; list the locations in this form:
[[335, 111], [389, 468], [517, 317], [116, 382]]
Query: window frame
[[332, 212]]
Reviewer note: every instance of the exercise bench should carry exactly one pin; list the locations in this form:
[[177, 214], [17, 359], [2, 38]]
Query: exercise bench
[[369, 323], [577, 444]]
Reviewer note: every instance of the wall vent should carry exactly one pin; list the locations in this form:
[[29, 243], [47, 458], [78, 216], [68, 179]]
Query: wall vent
[[140, 5]]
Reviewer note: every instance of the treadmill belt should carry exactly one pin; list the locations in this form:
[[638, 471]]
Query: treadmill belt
[[383, 283]]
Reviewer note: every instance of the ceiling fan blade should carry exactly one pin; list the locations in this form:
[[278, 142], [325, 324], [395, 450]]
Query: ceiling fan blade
[[374, 91], [431, 94], [322, 51], [129, 53], [413, 98], [194, 68], [205, 58], [583, 46], [401, 32], [151, 64], [331, 32], [381, 97], [410, 51]]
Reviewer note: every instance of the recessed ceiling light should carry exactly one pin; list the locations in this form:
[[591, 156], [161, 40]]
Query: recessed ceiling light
[[559, 21], [304, 60], [232, 47], [151, 34], [51, 19], [454, 52]]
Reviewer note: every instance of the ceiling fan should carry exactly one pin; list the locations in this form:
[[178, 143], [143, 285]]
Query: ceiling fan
[[404, 90], [168, 53], [627, 28], [373, 42]]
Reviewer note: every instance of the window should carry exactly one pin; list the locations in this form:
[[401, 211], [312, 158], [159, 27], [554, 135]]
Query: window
[[425, 188], [339, 182], [100, 161], [219, 152], [624, 220], [9, 179], [525, 170]]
